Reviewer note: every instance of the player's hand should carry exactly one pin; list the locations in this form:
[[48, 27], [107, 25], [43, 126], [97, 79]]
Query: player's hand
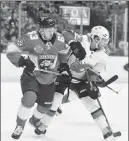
[[94, 92], [27, 63], [64, 78], [77, 49], [63, 67], [100, 82]]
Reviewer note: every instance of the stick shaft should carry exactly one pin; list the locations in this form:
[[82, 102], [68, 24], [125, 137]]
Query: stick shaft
[[104, 113], [112, 89]]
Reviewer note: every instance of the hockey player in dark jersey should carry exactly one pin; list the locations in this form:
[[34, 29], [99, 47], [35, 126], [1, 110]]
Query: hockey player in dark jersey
[[44, 51], [99, 37]]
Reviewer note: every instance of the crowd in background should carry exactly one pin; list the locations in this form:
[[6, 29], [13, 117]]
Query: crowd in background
[[31, 11]]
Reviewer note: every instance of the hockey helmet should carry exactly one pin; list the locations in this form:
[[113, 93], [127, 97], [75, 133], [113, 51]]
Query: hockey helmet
[[100, 32], [46, 22]]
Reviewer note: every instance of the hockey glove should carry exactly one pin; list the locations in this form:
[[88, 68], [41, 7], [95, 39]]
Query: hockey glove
[[93, 91], [78, 50], [27, 63], [63, 67], [64, 78]]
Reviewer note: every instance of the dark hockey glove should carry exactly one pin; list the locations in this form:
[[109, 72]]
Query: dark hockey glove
[[78, 50], [63, 67], [99, 81], [93, 91], [27, 63], [64, 78]]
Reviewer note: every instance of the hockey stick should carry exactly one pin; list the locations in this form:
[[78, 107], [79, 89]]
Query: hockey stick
[[112, 90], [112, 79], [115, 134]]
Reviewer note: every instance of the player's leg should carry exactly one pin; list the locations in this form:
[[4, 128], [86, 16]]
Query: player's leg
[[58, 96], [30, 88], [96, 112], [44, 100]]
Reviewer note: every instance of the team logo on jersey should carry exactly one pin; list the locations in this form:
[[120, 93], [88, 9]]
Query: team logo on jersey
[[46, 61], [38, 49], [49, 45], [20, 42]]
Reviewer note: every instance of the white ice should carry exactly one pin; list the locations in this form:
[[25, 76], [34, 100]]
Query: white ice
[[75, 124]]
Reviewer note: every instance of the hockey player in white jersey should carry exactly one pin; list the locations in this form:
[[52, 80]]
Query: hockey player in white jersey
[[94, 44]]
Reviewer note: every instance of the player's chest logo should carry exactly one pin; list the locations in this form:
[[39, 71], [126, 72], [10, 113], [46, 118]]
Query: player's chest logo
[[46, 61], [48, 45], [77, 67], [38, 49]]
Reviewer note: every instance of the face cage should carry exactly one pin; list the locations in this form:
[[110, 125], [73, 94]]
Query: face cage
[[99, 40]]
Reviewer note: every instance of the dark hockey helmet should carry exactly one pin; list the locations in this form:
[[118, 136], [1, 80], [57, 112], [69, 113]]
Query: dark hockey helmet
[[46, 22]]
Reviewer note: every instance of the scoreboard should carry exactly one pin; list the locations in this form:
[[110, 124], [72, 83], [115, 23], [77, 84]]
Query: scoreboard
[[76, 15]]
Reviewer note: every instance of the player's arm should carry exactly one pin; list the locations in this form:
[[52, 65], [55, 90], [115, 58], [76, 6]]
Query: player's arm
[[63, 49], [69, 36], [97, 60], [76, 48], [101, 61], [15, 49], [14, 54]]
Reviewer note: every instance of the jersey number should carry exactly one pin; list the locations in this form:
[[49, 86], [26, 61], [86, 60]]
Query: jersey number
[[60, 38], [33, 36]]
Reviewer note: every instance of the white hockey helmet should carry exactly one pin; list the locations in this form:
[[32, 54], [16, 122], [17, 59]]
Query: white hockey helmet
[[101, 32]]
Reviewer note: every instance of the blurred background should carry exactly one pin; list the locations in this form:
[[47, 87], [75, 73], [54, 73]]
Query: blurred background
[[18, 18]]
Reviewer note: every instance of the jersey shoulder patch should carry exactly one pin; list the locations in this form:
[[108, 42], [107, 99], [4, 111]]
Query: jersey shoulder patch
[[20, 42]]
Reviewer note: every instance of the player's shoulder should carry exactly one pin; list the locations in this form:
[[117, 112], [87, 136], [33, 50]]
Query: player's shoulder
[[29, 36], [68, 31], [33, 35], [60, 38], [60, 42], [86, 37], [101, 52], [102, 55], [68, 35]]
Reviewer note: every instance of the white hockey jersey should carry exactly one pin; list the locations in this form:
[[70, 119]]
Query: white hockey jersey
[[97, 59]]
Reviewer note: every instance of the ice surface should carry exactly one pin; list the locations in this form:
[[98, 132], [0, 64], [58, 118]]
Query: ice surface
[[75, 124]]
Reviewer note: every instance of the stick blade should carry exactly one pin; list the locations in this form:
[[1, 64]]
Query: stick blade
[[112, 79], [117, 134]]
